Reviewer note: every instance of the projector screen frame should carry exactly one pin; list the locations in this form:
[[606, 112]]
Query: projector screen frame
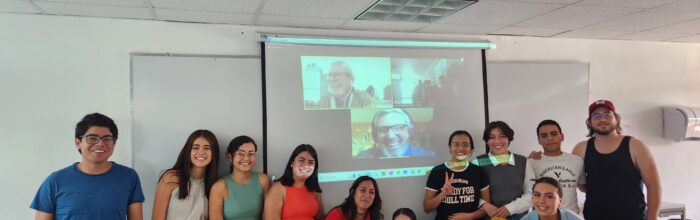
[[263, 43]]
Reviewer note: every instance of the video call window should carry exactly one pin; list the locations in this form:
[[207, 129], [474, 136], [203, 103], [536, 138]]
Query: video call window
[[391, 133], [390, 101], [346, 82], [423, 82]]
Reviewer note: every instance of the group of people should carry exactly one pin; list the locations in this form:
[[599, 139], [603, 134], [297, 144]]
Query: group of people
[[425, 93], [609, 167]]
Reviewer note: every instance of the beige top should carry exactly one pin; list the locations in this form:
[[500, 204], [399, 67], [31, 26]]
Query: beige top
[[194, 207]]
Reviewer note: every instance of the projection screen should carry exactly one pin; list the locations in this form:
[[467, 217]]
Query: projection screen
[[382, 112]]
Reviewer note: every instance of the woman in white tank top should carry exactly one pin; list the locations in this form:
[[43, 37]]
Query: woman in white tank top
[[182, 190]]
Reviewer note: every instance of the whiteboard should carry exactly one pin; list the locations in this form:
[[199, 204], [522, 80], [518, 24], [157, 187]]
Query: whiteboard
[[173, 96], [524, 94]]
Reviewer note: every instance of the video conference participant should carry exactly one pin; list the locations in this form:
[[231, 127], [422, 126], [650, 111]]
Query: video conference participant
[[510, 176], [455, 188], [239, 194], [182, 190], [546, 200], [363, 202], [342, 94], [391, 131], [297, 194], [114, 190]]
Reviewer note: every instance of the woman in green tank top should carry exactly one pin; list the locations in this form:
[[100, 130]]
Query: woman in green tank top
[[239, 195]]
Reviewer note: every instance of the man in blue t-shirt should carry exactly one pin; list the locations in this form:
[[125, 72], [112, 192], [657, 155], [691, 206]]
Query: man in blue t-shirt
[[94, 188]]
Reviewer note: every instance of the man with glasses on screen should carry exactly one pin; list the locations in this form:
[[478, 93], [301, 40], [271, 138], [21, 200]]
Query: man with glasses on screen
[[342, 94], [392, 130], [94, 188]]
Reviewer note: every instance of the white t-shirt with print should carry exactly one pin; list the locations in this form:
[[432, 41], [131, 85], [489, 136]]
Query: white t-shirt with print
[[565, 168]]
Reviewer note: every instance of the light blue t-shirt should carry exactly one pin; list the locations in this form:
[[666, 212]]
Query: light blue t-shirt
[[71, 194], [565, 214]]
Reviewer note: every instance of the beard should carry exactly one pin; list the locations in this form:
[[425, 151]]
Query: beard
[[604, 131]]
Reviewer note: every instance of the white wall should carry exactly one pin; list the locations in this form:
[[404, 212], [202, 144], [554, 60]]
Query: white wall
[[638, 77], [54, 70]]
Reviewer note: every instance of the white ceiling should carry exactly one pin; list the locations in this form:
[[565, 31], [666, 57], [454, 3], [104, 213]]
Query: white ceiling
[[643, 20]]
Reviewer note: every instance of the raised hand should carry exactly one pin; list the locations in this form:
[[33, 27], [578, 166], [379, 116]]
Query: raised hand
[[447, 187]]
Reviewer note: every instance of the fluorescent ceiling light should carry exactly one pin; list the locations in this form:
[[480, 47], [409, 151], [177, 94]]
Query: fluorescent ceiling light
[[380, 43], [423, 11]]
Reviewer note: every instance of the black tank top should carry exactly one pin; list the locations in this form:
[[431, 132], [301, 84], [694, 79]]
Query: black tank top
[[613, 184]]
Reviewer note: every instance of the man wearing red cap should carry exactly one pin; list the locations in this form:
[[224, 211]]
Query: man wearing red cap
[[615, 167]]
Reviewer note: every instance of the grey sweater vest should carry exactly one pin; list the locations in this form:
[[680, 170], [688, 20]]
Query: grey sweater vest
[[506, 181]]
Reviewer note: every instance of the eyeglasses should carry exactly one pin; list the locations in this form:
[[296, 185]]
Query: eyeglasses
[[605, 115], [336, 75], [94, 139], [244, 154], [394, 128]]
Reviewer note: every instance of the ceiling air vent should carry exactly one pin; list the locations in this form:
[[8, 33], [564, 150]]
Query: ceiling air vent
[[424, 11]]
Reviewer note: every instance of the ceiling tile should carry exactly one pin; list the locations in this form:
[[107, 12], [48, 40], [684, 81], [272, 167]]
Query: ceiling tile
[[546, 1], [626, 3], [317, 8], [521, 31], [241, 6], [498, 13], [203, 16], [592, 34], [94, 10], [649, 36], [139, 3], [684, 5], [382, 25], [667, 32], [688, 27], [457, 29], [689, 39], [307, 22], [17, 6], [646, 20], [574, 16]]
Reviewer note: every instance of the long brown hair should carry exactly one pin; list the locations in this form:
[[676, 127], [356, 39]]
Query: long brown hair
[[349, 207], [311, 183], [183, 165]]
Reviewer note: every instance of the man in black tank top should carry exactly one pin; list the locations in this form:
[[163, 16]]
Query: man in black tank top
[[616, 167]]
